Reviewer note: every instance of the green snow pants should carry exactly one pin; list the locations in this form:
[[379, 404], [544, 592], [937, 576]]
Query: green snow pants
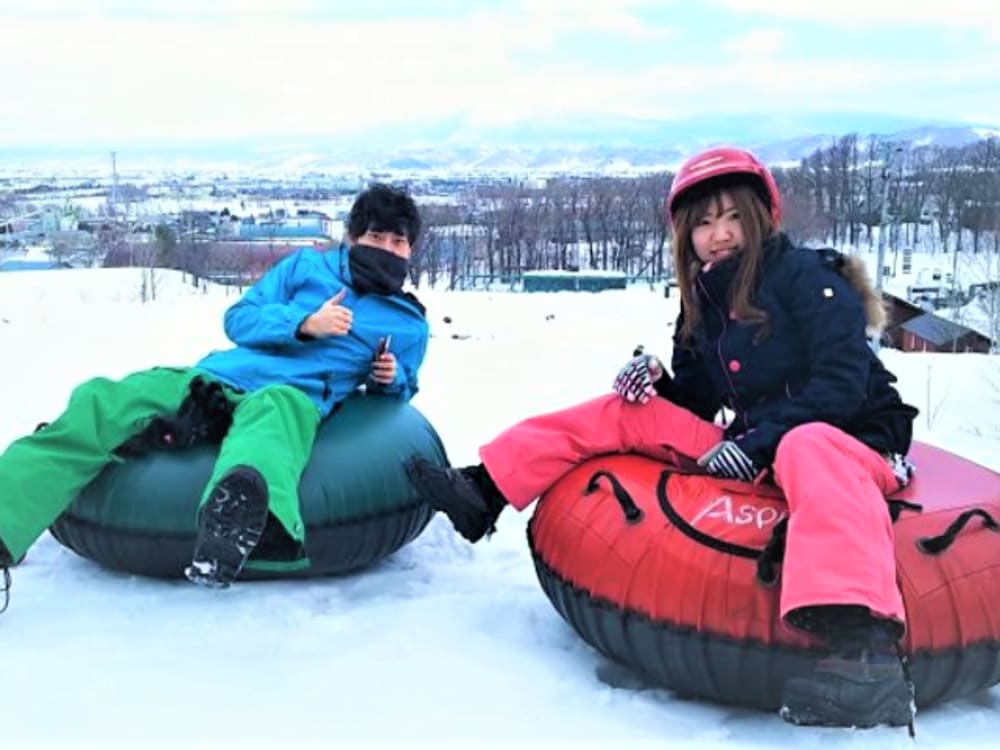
[[273, 430]]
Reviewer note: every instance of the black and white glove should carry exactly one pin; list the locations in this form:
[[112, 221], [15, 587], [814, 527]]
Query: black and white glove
[[728, 461], [635, 380]]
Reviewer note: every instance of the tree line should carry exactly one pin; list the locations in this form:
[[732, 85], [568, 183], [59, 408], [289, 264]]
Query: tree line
[[941, 199], [936, 199]]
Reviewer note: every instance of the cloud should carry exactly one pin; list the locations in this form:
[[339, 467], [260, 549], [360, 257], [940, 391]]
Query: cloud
[[613, 20], [757, 43], [187, 10], [269, 70], [115, 77], [770, 83], [157, 78], [972, 14]]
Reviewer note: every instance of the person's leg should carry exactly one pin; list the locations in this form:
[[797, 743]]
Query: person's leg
[[41, 473], [839, 548], [258, 470], [528, 458], [839, 580]]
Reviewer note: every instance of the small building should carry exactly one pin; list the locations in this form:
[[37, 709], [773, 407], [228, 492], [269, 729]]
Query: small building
[[575, 281], [26, 264], [313, 228], [898, 311], [930, 333]]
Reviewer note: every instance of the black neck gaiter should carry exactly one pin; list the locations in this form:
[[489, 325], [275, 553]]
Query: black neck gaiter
[[376, 271]]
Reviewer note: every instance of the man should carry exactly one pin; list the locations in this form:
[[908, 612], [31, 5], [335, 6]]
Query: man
[[311, 332]]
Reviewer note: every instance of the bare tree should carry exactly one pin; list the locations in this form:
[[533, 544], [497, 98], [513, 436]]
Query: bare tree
[[981, 209], [567, 202], [113, 245], [165, 241], [499, 229], [801, 216], [952, 187], [870, 213], [146, 258], [915, 185], [844, 198], [651, 194]]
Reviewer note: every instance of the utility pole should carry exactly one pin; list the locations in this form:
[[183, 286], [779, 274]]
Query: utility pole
[[888, 165], [887, 173], [117, 228], [114, 183]]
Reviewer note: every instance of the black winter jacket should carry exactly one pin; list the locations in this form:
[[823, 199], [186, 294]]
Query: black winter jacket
[[815, 365]]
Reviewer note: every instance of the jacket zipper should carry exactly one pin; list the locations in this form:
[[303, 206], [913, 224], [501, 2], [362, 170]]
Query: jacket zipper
[[740, 412]]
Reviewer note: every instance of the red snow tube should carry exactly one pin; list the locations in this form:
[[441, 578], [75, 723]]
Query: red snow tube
[[674, 576]]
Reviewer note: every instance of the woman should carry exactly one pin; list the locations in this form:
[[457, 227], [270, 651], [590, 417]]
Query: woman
[[776, 335]]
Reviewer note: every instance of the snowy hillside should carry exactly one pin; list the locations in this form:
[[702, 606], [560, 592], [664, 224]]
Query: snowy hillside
[[443, 644]]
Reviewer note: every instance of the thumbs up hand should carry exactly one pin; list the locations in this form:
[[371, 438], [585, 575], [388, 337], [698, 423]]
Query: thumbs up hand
[[331, 319]]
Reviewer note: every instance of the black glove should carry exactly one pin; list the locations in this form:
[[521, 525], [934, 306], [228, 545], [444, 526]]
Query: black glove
[[727, 460], [203, 418], [635, 380]]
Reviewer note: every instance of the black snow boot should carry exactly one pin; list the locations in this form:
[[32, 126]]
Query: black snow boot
[[467, 496], [6, 562], [862, 683], [230, 524]]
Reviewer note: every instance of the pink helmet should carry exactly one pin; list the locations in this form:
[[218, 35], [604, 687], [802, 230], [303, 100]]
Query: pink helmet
[[719, 161]]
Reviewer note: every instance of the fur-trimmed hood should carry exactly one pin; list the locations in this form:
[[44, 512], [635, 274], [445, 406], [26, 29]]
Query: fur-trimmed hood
[[855, 270]]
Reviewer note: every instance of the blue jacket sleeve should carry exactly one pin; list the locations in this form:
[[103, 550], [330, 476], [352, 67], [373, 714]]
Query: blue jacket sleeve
[[267, 314], [828, 314]]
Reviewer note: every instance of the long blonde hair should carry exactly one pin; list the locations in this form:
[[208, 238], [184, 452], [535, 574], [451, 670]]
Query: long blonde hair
[[757, 229]]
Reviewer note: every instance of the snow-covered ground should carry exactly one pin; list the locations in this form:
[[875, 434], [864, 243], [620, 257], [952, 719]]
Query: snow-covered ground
[[443, 644]]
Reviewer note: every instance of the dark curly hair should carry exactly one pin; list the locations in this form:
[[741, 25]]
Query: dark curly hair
[[383, 208]]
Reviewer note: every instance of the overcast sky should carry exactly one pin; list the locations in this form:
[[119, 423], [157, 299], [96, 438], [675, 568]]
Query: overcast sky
[[125, 70]]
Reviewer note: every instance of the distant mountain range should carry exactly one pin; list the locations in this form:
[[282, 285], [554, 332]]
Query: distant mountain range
[[591, 144]]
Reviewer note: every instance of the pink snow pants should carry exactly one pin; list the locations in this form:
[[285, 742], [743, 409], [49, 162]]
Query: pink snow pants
[[839, 548]]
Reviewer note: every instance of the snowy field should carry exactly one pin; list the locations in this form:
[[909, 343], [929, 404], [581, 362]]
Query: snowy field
[[443, 644]]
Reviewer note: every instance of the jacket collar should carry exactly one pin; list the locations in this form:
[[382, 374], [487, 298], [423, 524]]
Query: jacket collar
[[717, 279], [406, 298]]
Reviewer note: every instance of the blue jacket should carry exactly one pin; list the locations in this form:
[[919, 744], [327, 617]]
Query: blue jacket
[[813, 365], [264, 322]]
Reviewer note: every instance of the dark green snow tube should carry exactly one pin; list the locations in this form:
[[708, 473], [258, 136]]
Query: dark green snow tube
[[357, 504]]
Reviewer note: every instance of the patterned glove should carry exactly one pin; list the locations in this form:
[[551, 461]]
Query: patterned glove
[[635, 380], [727, 460]]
